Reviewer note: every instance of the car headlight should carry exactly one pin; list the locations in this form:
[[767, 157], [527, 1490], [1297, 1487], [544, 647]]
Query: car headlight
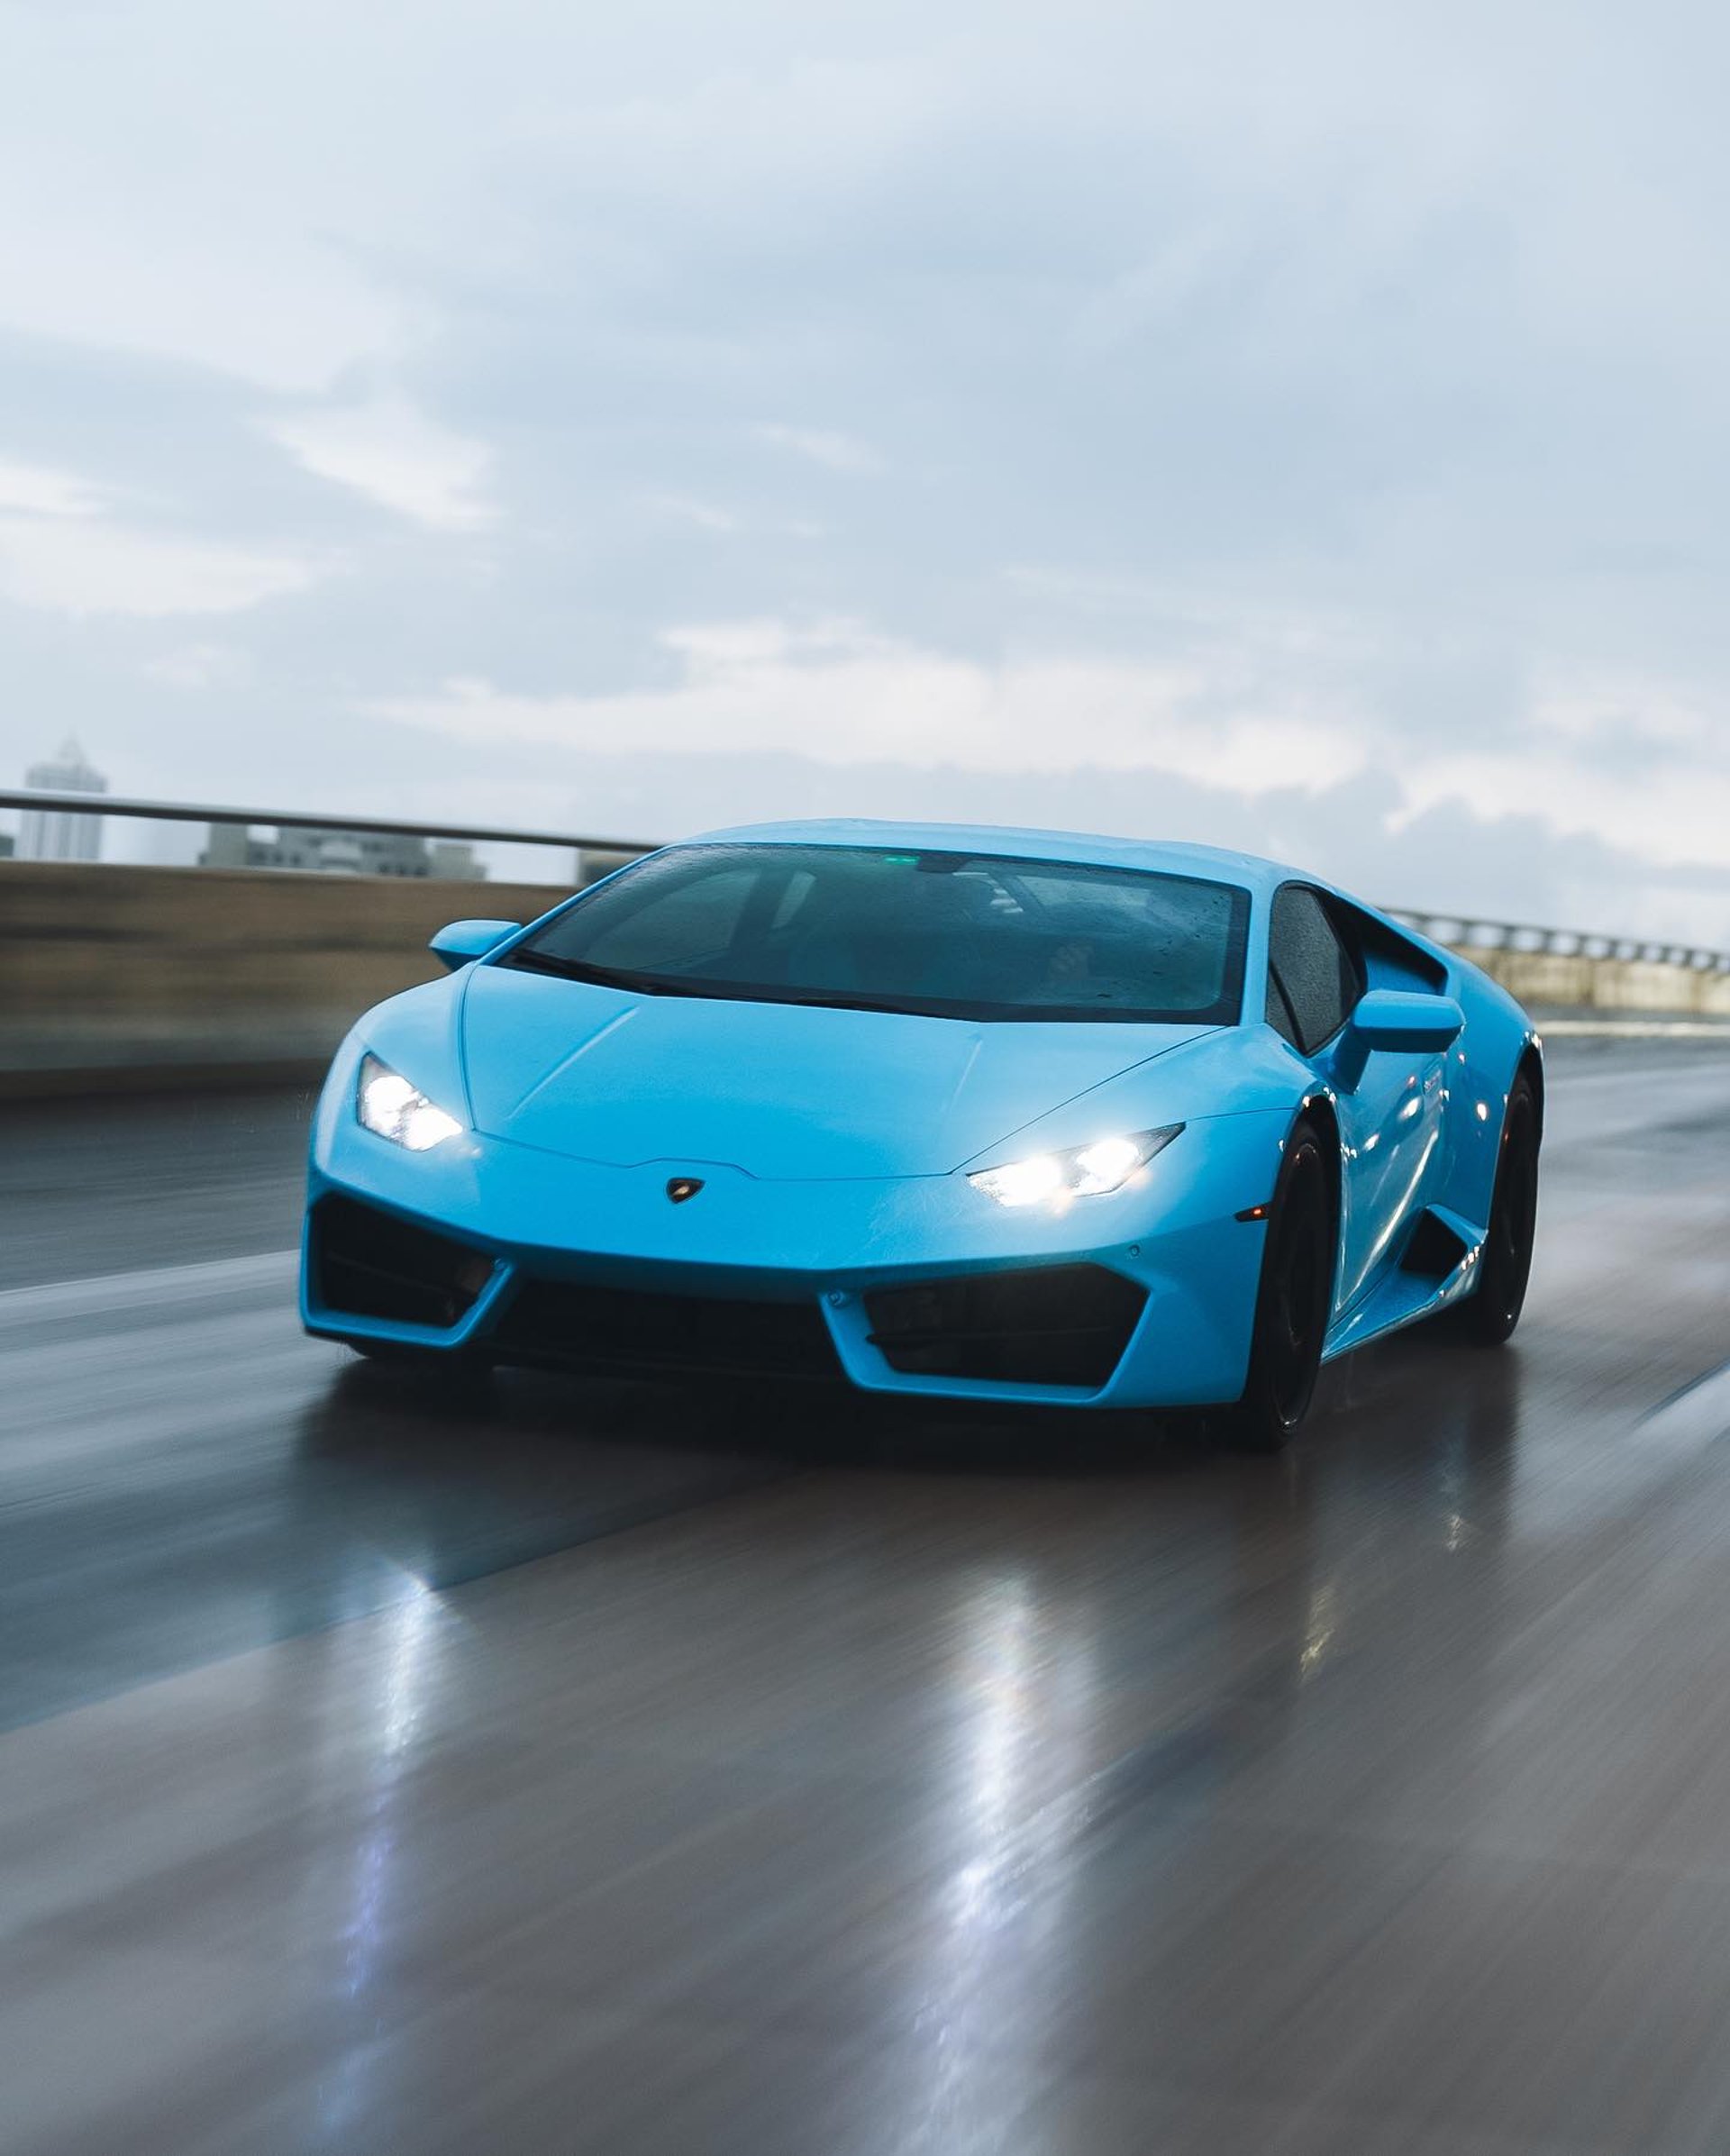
[[386, 1104], [1093, 1170]]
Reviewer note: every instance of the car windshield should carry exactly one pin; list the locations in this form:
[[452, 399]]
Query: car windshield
[[954, 936]]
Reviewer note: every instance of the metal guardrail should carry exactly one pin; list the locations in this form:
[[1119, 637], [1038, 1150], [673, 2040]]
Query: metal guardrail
[[1460, 931], [391, 827]]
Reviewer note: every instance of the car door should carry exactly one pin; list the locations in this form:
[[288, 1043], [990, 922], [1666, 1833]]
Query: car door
[[1390, 1113]]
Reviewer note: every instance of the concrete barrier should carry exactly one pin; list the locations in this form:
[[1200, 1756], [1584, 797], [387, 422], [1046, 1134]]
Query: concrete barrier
[[116, 978], [120, 978], [1552, 980]]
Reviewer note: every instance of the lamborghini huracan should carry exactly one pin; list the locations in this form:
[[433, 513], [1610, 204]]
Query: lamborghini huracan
[[1003, 1114]]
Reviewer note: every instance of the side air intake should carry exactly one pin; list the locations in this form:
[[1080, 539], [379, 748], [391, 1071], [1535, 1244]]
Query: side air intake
[[1434, 1250], [374, 1265]]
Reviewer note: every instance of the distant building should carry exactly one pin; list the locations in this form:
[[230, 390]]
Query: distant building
[[5, 845], [448, 860], [59, 834], [331, 851], [227, 846]]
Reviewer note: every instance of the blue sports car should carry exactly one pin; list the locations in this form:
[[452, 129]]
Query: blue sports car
[[1000, 1115]]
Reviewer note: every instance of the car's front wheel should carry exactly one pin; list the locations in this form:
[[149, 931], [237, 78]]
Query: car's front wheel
[[1294, 1299]]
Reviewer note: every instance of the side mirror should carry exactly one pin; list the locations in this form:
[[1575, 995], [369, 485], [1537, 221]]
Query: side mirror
[[1406, 1021], [465, 940]]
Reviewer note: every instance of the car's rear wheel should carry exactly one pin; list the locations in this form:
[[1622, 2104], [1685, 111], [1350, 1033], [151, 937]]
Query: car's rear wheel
[[1294, 1299], [1489, 1315]]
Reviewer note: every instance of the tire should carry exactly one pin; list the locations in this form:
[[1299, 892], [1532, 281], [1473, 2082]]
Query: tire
[[1489, 1315], [1294, 1298]]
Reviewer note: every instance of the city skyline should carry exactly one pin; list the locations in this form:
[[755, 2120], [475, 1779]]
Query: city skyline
[[63, 835]]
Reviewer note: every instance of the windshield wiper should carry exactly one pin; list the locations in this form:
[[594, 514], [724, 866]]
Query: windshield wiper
[[820, 999], [608, 976], [662, 984], [546, 962]]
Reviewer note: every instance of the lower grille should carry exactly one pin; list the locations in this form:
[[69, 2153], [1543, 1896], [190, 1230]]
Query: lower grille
[[1060, 1324], [637, 1330], [374, 1265]]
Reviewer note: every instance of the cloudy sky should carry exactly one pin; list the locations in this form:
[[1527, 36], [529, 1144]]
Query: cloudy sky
[[1302, 428]]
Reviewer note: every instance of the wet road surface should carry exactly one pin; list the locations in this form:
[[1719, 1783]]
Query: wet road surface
[[581, 1769]]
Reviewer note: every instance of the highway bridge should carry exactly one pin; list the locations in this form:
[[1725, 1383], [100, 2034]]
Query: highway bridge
[[581, 1767]]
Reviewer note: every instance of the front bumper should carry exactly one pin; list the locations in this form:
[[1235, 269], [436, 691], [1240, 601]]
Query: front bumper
[[917, 1285]]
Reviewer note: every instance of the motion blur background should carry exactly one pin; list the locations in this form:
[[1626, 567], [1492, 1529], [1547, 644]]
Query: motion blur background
[[1306, 430]]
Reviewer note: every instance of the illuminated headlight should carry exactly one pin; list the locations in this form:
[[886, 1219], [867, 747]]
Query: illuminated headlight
[[388, 1104], [1093, 1170]]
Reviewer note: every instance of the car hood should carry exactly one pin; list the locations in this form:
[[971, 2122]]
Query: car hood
[[783, 1091]]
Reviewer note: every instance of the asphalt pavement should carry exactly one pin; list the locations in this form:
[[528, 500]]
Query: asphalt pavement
[[577, 1768]]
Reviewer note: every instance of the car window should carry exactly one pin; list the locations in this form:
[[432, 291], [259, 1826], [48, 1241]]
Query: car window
[[948, 933], [686, 919], [1313, 977], [1281, 1017]]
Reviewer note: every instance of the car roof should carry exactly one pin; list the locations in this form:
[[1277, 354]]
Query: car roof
[[1215, 862]]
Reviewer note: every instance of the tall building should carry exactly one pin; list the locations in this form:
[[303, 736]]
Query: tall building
[[59, 834]]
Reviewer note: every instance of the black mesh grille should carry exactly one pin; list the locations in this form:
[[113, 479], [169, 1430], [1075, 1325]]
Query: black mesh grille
[[1060, 1324], [632, 1329], [375, 1266]]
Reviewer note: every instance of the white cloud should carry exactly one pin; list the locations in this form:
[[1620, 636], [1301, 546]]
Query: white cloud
[[1674, 812], [191, 188], [691, 510], [839, 694], [687, 509], [142, 280], [394, 456], [820, 445], [1642, 764], [35, 490], [1659, 714], [90, 567], [62, 551], [200, 665]]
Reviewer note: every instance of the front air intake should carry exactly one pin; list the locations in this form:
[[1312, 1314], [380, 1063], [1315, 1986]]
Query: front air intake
[[373, 1265], [642, 1331], [1060, 1325]]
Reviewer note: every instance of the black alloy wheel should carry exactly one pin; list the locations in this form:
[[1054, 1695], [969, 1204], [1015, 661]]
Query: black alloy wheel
[[1489, 1315], [1295, 1298]]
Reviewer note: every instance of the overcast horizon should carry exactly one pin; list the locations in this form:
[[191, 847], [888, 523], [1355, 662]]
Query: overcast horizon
[[1304, 432]]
